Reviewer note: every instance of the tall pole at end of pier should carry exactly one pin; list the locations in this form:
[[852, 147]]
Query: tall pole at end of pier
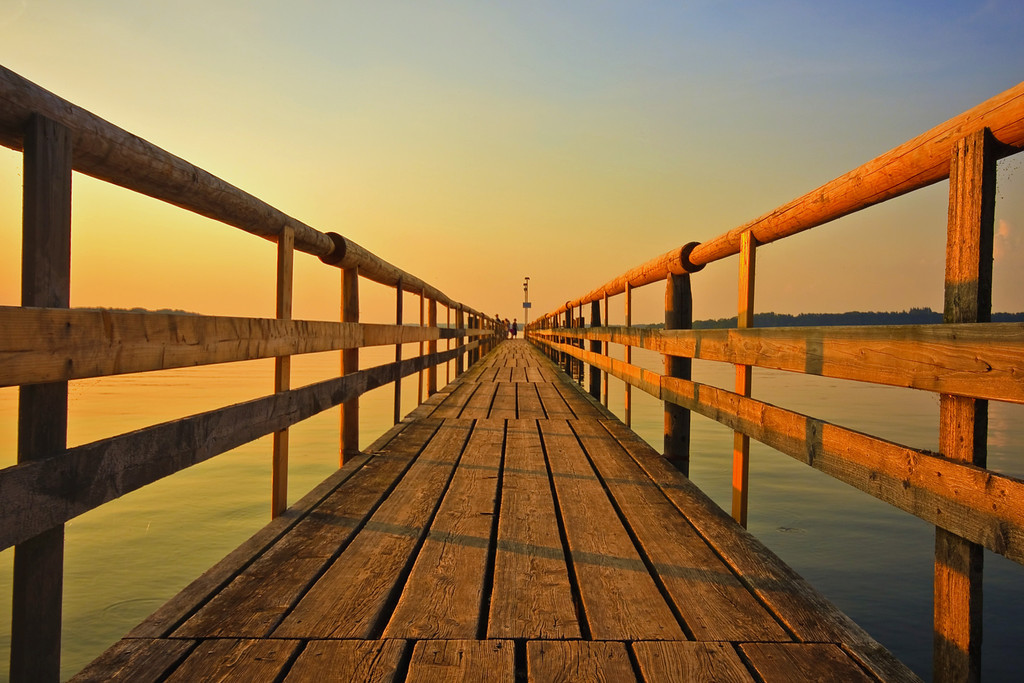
[[526, 302]]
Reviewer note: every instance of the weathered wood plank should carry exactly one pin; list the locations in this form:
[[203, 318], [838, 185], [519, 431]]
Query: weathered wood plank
[[255, 602], [479, 404], [455, 402], [691, 662], [530, 407], [553, 661], [531, 596], [188, 600], [236, 660], [453, 661], [443, 595], [785, 662], [350, 599], [554, 405], [344, 661], [504, 405], [135, 659], [50, 344], [620, 599], [581, 406], [799, 607], [981, 360], [713, 603]]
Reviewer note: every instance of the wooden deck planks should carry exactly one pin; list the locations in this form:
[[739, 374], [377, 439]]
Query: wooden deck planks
[[444, 661], [713, 603], [372, 661], [530, 407], [532, 597], [620, 598], [505, 530], [691, 661], [443, 595], [236, 660], [555, 661], [348, 600]]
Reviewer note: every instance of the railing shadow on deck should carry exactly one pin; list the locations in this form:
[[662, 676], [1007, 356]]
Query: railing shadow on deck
[[44, 344], [967, 361]]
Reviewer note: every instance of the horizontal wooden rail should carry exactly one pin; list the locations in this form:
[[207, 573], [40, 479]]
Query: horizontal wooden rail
[[105, 151], [917, 163], [980, 360], [38, 495], [970, 501], [48, 344]]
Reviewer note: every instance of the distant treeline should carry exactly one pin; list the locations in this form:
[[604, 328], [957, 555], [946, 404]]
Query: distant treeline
[[915, 316]]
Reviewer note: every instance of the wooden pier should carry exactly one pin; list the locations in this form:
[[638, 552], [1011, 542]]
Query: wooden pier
[[509, 529]]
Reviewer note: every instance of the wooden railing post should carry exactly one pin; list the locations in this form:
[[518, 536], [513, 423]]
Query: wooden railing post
[[448, 344], [282, 370], [678, 316], [744, 319], [566, 358], [963, 422], [604, 375], [349, 364], [42, 408], [419, 375], [399, 305], [627, 401], [595, 347], [432, 348], [460, 363]]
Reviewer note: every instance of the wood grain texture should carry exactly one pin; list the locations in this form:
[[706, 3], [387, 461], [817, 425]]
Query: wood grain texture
[[126, 658], [189, 599], [531, 597], [797, 605], [38, 575], [235, 660], [454, 661], [713, 603], [963, 422], [349, 600], [691, 662], [578, 660], [49, 344], [256, 601], [620, 599], [504, 405], [786, 662], [345, 661], [529, 404], [443, 596]]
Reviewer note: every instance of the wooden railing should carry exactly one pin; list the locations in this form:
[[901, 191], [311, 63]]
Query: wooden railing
[[968, 361], [44, 344]]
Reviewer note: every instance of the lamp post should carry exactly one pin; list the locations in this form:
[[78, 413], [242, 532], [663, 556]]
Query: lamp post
[[526, 302]]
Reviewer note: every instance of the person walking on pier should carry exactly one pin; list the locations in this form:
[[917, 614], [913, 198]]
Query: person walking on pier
[[515, 327]]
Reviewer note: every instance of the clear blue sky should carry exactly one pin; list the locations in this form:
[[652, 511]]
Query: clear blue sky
[[476, 143]]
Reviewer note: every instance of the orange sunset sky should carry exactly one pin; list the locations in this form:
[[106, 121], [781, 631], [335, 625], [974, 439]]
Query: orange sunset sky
[[473, 143]]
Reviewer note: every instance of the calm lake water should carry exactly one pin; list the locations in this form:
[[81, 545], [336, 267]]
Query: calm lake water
[[128, 557]]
